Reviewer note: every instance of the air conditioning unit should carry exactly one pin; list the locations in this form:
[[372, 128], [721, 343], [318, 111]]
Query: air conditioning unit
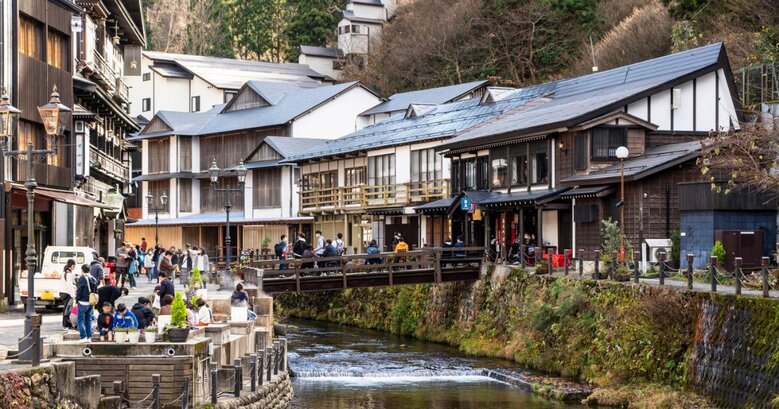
[[657, 246]]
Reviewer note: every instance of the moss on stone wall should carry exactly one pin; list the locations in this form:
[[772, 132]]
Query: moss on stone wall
[[606, 334]]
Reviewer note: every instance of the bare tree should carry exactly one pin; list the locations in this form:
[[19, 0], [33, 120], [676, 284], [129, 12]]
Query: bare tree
[[748, 158], [169, 19]]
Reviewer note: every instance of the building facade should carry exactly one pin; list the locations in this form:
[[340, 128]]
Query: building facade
[[262, 125]]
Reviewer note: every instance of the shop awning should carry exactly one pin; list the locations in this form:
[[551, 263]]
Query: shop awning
[[588, 191], [218, 219], [532, 197], [439, 206], [63, 196]]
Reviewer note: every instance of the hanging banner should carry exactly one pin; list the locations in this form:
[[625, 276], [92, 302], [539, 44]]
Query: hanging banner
[[132, 60]]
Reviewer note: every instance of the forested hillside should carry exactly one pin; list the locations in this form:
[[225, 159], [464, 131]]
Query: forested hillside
[[511, 42]]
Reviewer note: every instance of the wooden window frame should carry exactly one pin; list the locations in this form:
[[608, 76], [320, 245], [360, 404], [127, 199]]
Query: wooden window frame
[[612, 142]]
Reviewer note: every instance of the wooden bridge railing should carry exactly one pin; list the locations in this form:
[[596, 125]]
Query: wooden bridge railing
[[430, 265]]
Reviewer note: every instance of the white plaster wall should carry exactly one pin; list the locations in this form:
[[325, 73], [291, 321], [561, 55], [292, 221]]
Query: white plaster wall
[[683, 114], [322, 65], [639, 109], [196, 183], [366, 11], [140, 89], [661, 110], [705, 103], [549, 227], [209, 95], [335, 118], [727, 110], [170, 94]]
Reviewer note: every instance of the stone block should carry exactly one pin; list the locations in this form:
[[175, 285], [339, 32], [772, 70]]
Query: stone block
[[218, 333], [88, 388]]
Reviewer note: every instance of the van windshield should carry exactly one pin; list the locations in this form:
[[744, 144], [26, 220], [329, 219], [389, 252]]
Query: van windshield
[[62, 257]]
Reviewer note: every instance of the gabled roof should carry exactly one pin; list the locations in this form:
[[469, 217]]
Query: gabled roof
[[228, 73], [289, 146], [442, 121], [321, 51], [349, 15], [439, 95], [289, 101], [653, 160], [579, 99]]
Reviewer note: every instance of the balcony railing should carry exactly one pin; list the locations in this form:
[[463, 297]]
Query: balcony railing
[[105, 74], [108, 165], [363, 196], [122, 91]]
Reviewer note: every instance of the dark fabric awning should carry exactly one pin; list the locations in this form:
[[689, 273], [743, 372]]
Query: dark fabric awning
[[588, 191], [439, 206], [532, 197]]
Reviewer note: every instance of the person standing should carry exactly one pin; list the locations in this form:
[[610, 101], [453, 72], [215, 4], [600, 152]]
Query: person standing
[[340, 248], [109, 293], [96, 270], [281, 251], [143, 244], [122, 263], [300, 246], [320, 244], [67, 297], [166, 286], [148, 264], [86, 285], [132, 265], [186, 265]]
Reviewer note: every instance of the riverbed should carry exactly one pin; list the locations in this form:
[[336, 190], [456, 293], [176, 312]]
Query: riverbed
[[341, 367]]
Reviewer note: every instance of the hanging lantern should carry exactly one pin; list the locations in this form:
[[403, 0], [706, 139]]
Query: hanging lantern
[[9, 117], [54, 115]]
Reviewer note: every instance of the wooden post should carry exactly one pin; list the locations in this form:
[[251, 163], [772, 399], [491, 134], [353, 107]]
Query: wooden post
[[389, 260], [549, 256], [581, 262], [764, 265], [261, 365], [253, 374], [276, 354], [185, 395], [713, 273], [297, 277], [737, 273], [613, 266], [437, 264], [343, 262], [237, 377], [690, 260], [522, 249], [117, 388], [636, 257], [596, 274], [270, 366], [155, 381], [565, 260], [661, 256]]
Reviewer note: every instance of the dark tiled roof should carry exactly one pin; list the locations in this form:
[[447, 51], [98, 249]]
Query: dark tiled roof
[[368, 2], [321, 51], [349, 15], [440, 204], [652, 161], [441, 121], [439, 95], [290, 146], [575, 99], [171, 71], [521, 197], [587, 191]]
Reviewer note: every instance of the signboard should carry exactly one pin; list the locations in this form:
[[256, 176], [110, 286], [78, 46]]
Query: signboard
[[132, 60], [82, 153], [465, 204]]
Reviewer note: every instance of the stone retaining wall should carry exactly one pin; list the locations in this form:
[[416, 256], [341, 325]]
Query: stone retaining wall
[[277, 394], [52, 385]]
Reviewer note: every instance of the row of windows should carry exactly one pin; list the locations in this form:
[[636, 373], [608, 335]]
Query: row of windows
[[31, 43], [354, 29]]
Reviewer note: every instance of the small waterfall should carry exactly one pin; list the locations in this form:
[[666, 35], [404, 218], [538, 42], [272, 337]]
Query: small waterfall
[[446, 373]]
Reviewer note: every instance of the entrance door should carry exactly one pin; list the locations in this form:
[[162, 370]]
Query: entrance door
[[747, 244]]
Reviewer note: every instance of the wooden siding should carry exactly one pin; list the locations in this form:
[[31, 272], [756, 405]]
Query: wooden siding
[[564, 160], [636, 141], [253, 236], [230, 148], [169, 235], [212, 201]]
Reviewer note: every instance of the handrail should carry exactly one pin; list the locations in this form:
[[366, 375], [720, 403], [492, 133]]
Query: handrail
[[369, 196]]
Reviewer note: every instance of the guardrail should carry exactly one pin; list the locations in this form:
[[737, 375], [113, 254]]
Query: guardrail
[[365, 196]]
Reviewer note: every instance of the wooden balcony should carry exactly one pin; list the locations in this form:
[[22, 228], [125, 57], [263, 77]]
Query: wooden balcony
[[104, 75], [109, 165], [121, 91], [45, 174], [366, 197]]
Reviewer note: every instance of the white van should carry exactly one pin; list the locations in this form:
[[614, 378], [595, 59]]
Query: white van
[[50, 281]]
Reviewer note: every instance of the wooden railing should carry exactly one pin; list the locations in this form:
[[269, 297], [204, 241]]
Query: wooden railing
[[429, 265], [122, 91], [108, 164], [364, 196], [106, 75]]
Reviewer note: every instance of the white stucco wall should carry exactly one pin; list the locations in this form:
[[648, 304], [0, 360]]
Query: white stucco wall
[[322, 65], [336, 117]]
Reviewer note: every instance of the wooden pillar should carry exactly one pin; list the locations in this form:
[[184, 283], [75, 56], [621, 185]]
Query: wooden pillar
[[539, 229], [487, 229], [444, 226], [521, 227]]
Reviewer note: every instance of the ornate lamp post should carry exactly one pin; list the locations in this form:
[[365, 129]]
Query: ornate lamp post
[[55, 118], [213, 173], [622, 154], [156, 209]]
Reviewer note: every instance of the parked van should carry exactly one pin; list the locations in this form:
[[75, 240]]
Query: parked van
[[50, 281]]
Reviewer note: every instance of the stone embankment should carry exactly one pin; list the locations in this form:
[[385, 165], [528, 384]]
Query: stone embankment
[[274, 395], [636, 345]]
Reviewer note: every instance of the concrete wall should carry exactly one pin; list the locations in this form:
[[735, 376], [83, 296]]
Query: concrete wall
[[335, 118]]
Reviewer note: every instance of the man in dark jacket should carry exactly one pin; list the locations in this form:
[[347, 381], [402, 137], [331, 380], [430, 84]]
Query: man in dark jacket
[[166, 286], [96, 270], [86, 285], [143, 313], [110, 293]]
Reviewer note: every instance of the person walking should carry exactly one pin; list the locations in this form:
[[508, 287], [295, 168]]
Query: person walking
[[148, 264], [186, 266], [122, 263], [340, 248], [202, 263], [132, 265], [86, 286], [300, 246], [166, 286], [281, 252], [67, 297], [166, 265], [143, 244]]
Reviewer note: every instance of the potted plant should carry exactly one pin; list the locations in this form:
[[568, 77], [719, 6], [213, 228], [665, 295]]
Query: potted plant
[[266, 245], [178, 330], [133, 335], [196, 279], [120, 334], [150, 334]]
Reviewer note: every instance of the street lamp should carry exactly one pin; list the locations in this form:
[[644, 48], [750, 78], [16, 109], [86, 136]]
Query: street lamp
[[213, 174], [156, 210], [55, 117], [622, 154]]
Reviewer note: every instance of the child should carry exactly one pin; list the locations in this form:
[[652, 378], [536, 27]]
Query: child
[[105, 323], [124, 318], [204, 314]]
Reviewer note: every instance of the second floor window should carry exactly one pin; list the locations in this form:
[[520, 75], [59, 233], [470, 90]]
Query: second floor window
[[185, 154], [539, 158], [228, 96], [146, 104], [606, 140], [57, 50], [381, 170], [30, 42], [426, 165], [185, 195], [147, 76], [354, 177], [159, 156], [500, 167], [267, 188]]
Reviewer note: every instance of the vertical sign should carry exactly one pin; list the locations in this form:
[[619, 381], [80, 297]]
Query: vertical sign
[[132, 60], [82, 150]]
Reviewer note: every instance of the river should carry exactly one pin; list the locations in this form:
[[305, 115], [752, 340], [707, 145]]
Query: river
[[340, 367]]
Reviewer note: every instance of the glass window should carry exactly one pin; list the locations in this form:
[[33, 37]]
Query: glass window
[[185, 154], [267, 188], [57, 50], [500, 168], [355, 177], [146, 104], [606, 140], [381, 170], [539, 167], [426, 165], [471, 177], [29, 38], [195, 106], [519, 164], [147, 76], [62, 257]]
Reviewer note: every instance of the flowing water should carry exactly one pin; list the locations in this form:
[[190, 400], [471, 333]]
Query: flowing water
[[340, 367]]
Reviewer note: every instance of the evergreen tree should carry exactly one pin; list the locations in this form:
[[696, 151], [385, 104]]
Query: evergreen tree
[[312, 22]]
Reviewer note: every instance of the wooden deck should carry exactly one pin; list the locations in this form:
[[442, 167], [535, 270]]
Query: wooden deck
[[433, 265]]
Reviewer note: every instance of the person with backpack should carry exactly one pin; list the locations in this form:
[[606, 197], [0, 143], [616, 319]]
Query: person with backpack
[[300, 246], [86, 298], [339, 244], [373, 248], [67, 297], [281, 251]]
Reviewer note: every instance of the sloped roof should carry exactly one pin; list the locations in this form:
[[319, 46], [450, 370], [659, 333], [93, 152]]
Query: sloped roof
[[368, 2], [321, 51], [441, 121], [652, 161], [439, 95], [289, 101], [576, 99], [230, 73], [289, 146], [349, 15]]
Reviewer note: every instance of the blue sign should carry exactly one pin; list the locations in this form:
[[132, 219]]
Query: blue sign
[[465, 204]]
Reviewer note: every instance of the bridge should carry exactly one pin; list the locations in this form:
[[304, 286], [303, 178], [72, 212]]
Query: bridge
[[430, 265]]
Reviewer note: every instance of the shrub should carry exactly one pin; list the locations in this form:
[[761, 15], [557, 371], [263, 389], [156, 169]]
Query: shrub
[[676, 237], [718, 251], [196, 277], [178, 312], [611, 231]]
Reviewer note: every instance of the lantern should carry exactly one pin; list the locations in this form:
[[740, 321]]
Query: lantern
[[164, 199], [241, 172], [9, 117], [54, 115], [213, 172]]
